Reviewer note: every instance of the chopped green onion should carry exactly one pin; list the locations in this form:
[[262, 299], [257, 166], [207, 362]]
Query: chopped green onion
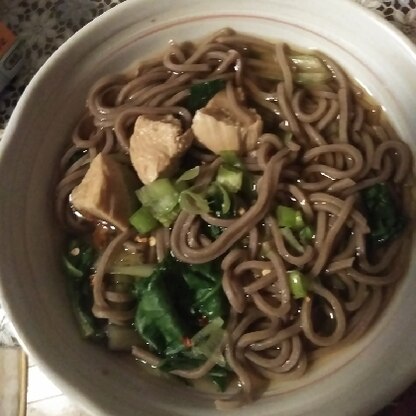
[[193, 203], [308, 63], [140, 270], [306, 235], [288, 137], [143, 221], [226, 201], [289, 217], [291, 239], [161, 198], [307, 78], [206, 331], [167, 219], [266, 249], [298, 283], [189, 175], [230, 158], [85, 322], [230, 178]]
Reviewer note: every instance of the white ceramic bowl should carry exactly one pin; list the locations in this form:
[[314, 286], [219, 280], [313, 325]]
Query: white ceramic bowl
[[358, 380]]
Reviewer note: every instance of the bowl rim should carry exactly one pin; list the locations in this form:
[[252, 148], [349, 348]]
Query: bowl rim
[[43, 74]]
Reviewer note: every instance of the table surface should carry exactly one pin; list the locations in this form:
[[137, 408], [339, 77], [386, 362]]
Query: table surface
[[44, 25]]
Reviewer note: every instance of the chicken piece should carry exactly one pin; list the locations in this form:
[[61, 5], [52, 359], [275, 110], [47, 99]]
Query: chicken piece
[[219, 126], [104, 192], [156, 145]]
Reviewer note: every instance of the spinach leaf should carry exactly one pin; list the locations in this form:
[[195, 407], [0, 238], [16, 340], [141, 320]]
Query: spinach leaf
[[172, 301], [212, 231], [220, 376], [157, 317], [78, 262], [171, 304], [204, 280], [157, 320], [383, 214], [79, 258], [181, 361], [202, 92]]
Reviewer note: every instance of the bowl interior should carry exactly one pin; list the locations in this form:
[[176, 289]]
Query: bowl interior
[[32, 283]]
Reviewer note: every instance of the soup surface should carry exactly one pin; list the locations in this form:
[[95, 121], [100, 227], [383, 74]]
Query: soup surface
[[233, 209]]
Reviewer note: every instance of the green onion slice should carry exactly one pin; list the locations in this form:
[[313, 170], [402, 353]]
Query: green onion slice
[[289, 217], [306, 234], [207, 341], [189, 175], [143, 221], [193, 202], [230, 158], [299, 284], [230, 177]]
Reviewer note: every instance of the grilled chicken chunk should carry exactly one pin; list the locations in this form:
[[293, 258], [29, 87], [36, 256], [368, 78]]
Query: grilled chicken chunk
[[104, 192], [156, 145], [221, 126]]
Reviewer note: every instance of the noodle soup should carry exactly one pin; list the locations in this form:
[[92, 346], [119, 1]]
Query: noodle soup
[[234, 209]]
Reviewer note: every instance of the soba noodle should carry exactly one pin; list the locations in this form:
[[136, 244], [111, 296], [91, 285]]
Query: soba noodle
[[323, 144]]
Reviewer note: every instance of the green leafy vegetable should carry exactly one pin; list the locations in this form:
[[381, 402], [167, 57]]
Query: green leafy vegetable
[[143, 221], [78, 262], [202, 92], [204, 280], [172, 301], [220, 376], [213, 231], [383, 214], [157, 319], [181, 361], [299, 284]]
